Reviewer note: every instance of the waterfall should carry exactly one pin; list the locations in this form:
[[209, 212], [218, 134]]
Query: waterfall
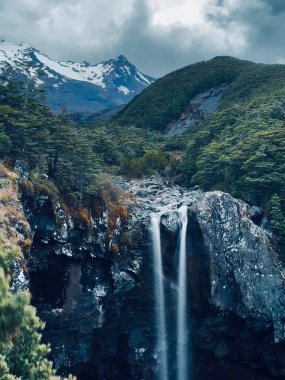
[[159, 298], [182, 338], [182, 315]]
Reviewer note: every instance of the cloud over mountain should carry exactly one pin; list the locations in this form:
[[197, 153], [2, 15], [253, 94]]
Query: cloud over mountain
[[158, 36]]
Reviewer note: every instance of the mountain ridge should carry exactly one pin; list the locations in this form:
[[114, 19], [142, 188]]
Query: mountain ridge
[[81, 87]]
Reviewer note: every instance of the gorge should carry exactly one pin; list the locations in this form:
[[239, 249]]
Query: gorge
[[99, 303]]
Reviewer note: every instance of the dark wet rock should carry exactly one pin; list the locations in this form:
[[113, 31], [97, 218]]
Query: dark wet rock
[[244, 319], [255, 212], [245, 275], [22, 168]]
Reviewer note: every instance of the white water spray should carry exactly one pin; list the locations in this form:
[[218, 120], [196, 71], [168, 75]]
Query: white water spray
[[159, 297], [182, 317]]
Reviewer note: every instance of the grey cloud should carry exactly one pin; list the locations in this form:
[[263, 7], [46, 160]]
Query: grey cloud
[[264, 24], [159, 49], [277, 6], [94, 30]]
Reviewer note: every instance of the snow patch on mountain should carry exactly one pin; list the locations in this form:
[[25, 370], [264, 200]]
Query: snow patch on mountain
[[104, 85], [124, 90], [76, 71]]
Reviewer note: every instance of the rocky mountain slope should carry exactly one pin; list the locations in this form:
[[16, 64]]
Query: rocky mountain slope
[[200, 109], [81, 87], [171, 96]]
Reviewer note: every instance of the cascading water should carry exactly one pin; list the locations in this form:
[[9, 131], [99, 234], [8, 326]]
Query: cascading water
[[159, 297], [182, 317]]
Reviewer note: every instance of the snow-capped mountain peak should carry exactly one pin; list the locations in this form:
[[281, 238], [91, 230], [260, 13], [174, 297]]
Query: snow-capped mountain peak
[[118, 77]]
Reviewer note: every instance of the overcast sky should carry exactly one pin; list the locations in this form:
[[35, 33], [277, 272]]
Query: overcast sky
[[157, 35]]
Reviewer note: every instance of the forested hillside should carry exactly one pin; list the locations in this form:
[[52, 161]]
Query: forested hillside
[[165, 99]]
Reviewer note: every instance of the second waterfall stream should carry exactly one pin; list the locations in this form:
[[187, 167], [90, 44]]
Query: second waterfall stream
[[182, 305], [182, 317]]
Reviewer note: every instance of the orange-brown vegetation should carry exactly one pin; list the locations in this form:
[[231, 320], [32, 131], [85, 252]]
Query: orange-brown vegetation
[[11, 213], [39, 186], [117, 202], [114, 248], [26, 244], [81, 216]]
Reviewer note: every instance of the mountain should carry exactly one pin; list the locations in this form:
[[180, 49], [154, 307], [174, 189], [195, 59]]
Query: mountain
[[81, 87], [187, 91]]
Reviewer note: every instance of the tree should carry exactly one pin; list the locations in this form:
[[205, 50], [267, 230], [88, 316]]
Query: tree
[[277, 216], [78, 169], [5, 141], [22, 354]]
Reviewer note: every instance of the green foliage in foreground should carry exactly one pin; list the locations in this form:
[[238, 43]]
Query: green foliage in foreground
[[22, 356], [152, 162]]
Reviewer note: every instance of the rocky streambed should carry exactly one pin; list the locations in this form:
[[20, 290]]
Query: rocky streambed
[[92, 282]]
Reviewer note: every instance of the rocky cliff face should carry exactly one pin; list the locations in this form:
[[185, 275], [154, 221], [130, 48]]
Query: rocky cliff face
[[91, 280], [14, 228], [236, 280], [199, 110], [244, 317], [91, 284]]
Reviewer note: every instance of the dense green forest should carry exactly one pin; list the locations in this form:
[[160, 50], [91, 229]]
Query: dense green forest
[[241, 150], [164, 100]]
